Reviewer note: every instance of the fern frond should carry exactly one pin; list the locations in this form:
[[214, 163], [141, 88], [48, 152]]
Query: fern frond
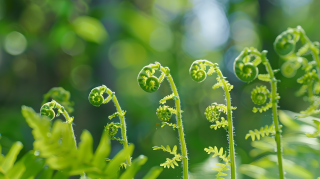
[[302, 90], [264, 131], [211, 71], [167, 149], [56, 147], [317, 132], [174, 126], [222, 155], [220, 84], [164, 100], [223, 123], [263, 108], [117, 114], [264, 77], [311, 110], [171, 162]]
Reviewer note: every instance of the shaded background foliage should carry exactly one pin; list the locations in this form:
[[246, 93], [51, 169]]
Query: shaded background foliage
[[81, 44]]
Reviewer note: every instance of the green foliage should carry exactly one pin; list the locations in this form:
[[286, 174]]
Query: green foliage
[[317, 132], [55, 145], [60, 95], [96, 99], [150, 83], [169, 162], [213, 112], [223, 156], [264, 131]]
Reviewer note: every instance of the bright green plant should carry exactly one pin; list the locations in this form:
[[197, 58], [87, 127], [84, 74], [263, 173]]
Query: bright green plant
[[60, 95], [198, 73], [245, 68], [96, 99], [285, 45], [150, 83], [54, 143]]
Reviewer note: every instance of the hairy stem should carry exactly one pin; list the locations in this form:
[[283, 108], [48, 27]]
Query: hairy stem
[[230, 127], [274, 114], [180, 129], [122, 121]]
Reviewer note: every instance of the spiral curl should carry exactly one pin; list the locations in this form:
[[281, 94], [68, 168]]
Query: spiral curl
[[285, 43], [47, 110], [164, 113], [245, 65], [213, 112], [147, 81], [259, 95], [112, 128], [95, 96], [197, 71]]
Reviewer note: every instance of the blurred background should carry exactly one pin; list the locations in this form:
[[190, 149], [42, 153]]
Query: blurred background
[[82, 44]]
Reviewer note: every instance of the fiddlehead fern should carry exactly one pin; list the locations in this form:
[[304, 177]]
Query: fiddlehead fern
[[60, 95], [96, 99], [285, 46], [198, 73], [260, 94], [150, 83]]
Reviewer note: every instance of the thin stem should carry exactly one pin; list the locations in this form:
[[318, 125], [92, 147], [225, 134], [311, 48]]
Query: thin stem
[[69, 122], [122, 121], [274, 114], [180, 129], [230, 126]]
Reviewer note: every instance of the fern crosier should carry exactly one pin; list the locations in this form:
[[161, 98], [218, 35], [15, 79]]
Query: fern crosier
[[96, 99], [213, 112], [61, 96], [259, 95], [150, 83]]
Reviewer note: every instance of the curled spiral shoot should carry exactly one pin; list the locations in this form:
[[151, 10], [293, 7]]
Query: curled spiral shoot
[[147, 81], [285, 43], [259, 95], [112, 128], [245, 65], [96, 95], [213, 112], [164, 113], [197, 71], [61, 96], [47, 110]]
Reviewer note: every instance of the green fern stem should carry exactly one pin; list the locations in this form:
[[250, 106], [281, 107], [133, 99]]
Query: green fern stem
[[180, 128], [123, 127], [122, 121], [230, 122], [274, 112]]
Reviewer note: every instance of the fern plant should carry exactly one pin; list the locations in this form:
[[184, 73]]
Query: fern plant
[[150, 83], [96, 99], [285, 46], [60, 95], [245, 68], [198, 73], [54, 143]]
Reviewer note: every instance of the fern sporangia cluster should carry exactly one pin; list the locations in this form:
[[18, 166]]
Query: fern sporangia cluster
[[96, 99], [286, 47], [150, 83], [199, 72], [245, 68]]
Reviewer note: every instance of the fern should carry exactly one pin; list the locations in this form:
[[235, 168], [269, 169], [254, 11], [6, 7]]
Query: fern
[[60, 95], [56, 147], [317, 132], [223, 123], [223, 156], [169, 162], [264, 131], [174, 126], [166, 98], [312, 109]]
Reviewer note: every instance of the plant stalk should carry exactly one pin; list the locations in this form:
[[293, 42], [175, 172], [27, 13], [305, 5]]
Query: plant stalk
[[180, 129]]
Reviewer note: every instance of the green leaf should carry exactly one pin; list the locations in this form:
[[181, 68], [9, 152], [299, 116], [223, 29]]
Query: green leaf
[[153, 173], [11, 157], [102, 151], [135, 166], [85, 147]]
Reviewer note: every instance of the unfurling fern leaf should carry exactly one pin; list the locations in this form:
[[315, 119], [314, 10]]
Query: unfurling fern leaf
[[55, 145], [169, 162], [166, 98], [264, 131], [223, 123], [223, 156]]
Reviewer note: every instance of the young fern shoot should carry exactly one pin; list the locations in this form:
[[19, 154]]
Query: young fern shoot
[[48, 110], [198, 73], [285, 46], [96, 99], [245, 68], [150, 83]]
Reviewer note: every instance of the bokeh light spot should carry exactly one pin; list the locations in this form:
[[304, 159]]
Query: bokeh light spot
[[161, 39], [71, 44], [90, 29], [125, 53], [15, 43], [81, 77]]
